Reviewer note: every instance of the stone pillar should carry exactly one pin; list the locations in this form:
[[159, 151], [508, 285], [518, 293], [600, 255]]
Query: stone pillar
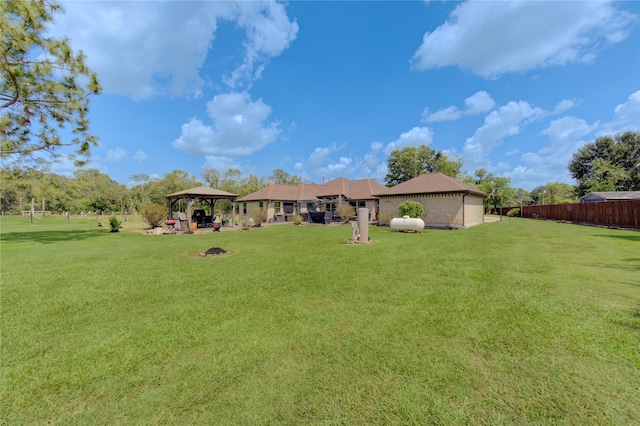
[[363, 225]]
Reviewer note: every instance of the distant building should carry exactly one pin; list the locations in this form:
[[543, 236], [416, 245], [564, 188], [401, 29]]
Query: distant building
[[282, 202], [610, 196], [447, 202]]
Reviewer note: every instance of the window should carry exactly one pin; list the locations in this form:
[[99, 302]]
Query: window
[[244, 208], [311, 207], [276, 206], [288, 208], [261, 204]]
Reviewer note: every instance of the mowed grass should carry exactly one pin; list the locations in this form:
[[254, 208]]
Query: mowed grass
[[515, 322]]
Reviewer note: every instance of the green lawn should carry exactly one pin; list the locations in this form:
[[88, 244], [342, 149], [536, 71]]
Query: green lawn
[[514, 322]]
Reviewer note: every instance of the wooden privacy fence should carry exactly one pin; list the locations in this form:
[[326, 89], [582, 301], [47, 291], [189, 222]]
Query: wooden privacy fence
[[616, 213]]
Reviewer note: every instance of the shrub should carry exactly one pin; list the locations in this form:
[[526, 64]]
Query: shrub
[[384, 218], [345, 211], [259, 215], [514, 213], [297, 219], [154, 214], [411, 209], [115, 224]]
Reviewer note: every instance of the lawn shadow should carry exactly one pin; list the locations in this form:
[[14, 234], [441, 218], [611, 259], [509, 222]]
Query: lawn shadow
[[633, 264], [633, 322], [622, 237], [48, 237]]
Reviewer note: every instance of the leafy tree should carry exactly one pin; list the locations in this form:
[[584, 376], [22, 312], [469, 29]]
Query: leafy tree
[[608, 164], [251, 184], [59, 192], [410, 162], [233, 182], [42, 84], [520, 197], [280, 176], [496, 186], [148, 190], [95, 191], [411, 209], [554, 193], [16, 184], [212, 177]]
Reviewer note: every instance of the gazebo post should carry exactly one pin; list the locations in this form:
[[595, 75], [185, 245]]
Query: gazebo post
[[233, 214], [189, 204]]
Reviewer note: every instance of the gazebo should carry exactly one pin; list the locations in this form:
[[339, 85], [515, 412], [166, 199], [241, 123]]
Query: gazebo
[[210, 195]]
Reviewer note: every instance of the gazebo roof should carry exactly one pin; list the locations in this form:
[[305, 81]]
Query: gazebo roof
[[203, 192]]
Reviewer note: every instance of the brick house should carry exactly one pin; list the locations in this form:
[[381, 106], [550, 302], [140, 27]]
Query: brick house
[[447, 202], [358, 193], [280, 201]]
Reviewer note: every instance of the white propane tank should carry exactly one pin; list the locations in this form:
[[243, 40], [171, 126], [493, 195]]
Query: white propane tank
[[407, 224]]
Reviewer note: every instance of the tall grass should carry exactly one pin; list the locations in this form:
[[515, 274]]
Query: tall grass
[[514, 322]]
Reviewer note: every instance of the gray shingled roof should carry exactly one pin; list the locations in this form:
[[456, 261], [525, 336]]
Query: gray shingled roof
[[614, 195], [430, 183]]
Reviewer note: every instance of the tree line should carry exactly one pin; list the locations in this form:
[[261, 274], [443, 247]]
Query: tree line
[[610, 163], [89, 190], [45, 86]]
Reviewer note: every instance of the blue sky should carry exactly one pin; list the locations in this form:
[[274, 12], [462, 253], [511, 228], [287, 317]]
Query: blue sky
[[326, 89]]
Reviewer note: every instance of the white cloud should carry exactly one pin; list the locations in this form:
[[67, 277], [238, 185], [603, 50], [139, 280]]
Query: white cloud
[[140, 156], [626, 116], [341, 168], [321, 155], [373, 167], [478, 103], [414, 137], [507, 120], [116, 155], [239, 128], [564, 105], [549, 164], [332, 162], [451, 113], [64, 166], [269, 33], [149, 49], [493, 38], [219, 163]]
